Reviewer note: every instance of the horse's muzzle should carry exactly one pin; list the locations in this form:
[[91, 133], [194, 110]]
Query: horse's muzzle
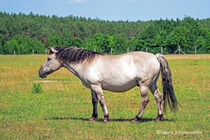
[[41, 73]]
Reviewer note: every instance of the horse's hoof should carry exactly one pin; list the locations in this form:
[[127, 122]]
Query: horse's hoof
[[106, 121], [159, 118], [106, 118], [136, 120], [92, 119]]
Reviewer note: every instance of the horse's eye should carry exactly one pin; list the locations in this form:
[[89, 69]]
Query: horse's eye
[[48, 59]]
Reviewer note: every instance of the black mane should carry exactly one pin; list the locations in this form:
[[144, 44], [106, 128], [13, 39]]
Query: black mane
[[75, 55]]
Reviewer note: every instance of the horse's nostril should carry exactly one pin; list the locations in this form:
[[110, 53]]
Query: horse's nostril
[[42, 75]]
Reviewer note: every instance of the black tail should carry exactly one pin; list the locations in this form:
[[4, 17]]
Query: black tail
[[168, 90]]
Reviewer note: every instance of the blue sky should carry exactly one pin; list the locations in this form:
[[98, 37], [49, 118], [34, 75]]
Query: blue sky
[[131, 10]]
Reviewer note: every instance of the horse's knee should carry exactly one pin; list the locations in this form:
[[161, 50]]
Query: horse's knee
[[157, 95]]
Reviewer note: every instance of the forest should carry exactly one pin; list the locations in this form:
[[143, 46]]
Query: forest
[[27, 34]]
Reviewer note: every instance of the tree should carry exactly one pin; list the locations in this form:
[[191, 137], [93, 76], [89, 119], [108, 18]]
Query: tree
[[118, 44], [177, 38], [102, 36], [23, 45], [99, 42], [54, 40], [77, 42]]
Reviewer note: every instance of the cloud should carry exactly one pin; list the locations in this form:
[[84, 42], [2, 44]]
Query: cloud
[[75, 1]]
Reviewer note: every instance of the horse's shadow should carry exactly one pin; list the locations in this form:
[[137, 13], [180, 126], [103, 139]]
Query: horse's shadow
[[111, 120]]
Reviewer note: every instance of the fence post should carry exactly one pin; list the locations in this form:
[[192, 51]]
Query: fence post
[[128, 49], [14, 52], [195, 49], [161, 50], [179, 50]]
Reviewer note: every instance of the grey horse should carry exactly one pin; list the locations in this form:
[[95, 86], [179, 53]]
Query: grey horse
[[117, 73]]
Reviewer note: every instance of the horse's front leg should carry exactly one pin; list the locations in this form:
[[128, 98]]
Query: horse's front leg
[[98, 90], [95, 103]]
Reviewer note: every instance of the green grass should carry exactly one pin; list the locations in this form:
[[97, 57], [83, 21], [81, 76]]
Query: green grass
[[62, 109]]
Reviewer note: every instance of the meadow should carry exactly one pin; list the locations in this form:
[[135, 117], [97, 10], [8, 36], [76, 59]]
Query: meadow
[[63, 108]]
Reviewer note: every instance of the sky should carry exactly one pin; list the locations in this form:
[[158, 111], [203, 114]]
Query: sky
[[112, 10]]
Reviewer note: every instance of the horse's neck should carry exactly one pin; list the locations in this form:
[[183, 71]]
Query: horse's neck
[[74, 68]]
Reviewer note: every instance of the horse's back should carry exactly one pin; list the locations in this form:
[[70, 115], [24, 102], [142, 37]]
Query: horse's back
[[133, 60]]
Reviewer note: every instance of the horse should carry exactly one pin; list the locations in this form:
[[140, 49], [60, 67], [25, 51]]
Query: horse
[[116, 73]]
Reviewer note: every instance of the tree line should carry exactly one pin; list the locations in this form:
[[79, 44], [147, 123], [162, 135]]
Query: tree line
[[26, 34]]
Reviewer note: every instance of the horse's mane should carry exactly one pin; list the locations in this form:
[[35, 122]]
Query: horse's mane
[[75, 55]]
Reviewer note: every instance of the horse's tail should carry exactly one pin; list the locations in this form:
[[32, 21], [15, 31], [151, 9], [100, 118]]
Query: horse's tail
[[168, 91]]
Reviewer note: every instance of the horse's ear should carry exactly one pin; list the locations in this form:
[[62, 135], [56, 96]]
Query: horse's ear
[[52, 51]]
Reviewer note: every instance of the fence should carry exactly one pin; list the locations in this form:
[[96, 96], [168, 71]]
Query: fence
[[161, 50]]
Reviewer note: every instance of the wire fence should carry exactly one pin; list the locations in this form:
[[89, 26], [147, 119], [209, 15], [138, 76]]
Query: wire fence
[[147, 49]]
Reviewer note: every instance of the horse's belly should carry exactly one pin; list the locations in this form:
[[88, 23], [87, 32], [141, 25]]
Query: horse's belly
[[120, 86]]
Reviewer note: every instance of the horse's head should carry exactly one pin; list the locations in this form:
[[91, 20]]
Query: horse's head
[[51, 64]]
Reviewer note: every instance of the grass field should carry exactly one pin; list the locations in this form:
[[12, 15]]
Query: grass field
[[63, 109]]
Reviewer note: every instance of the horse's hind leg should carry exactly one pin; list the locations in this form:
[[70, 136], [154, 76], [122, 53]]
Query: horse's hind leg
[[144, 102], [158, 97]]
